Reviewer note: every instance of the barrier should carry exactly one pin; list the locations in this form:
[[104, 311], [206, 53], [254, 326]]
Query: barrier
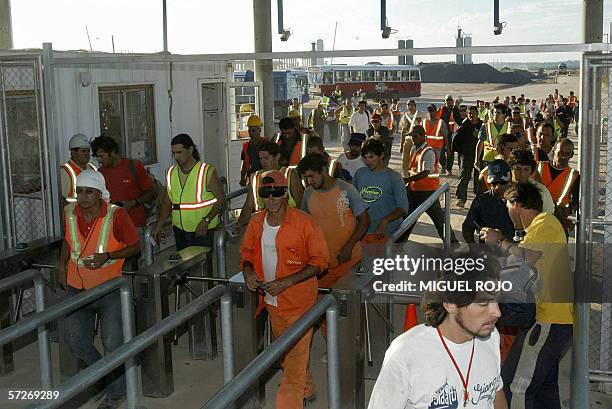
[[74, 303], [44, 343], [240, 384], [221, 234], [126, 352]]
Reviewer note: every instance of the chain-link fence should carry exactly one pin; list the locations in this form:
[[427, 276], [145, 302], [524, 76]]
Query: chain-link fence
[[23, 187], [600, 336]]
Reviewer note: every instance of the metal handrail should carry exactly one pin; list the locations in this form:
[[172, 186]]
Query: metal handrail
[[150, 243], [126, 352], [253, 371], [413, 217], [74, 303], [44, 342], [221, 235]]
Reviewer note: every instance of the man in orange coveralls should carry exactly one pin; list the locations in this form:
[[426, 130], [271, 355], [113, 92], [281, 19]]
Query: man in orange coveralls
[[282, 252]]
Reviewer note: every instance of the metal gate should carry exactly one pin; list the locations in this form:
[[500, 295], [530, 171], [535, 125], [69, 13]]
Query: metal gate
[[23, 187]]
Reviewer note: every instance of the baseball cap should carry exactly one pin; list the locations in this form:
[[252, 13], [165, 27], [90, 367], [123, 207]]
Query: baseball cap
[[273, 178], [357, 138], [447, 97], [417, 130], [499, 171], [78, 140]]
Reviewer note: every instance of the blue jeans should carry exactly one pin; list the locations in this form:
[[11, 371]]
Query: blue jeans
[[79, 336]]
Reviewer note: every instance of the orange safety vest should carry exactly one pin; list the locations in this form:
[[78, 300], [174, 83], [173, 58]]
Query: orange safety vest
[[560, 186], [432, 181], [571, 100], [100, 240], [395, 110], [73, 170], [434, 133], [299, 149], [389, 123]]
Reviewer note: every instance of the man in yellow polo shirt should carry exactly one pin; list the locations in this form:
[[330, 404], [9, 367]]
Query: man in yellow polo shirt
[[531, 371]]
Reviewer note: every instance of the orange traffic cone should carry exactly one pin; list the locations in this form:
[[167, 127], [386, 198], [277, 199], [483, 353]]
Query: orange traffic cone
[[410, 319]]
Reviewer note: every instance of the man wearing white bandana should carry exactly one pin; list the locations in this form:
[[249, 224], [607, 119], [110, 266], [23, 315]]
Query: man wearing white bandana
[[99, 237]]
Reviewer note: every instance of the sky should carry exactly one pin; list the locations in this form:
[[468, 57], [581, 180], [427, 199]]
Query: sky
[[207, 26]]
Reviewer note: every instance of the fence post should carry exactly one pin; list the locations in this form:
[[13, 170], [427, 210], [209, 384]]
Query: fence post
[[44, 342], [227, 336], [333, 363], [127, 318]]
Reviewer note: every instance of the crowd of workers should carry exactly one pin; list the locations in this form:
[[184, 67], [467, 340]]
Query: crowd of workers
[[307, 214]]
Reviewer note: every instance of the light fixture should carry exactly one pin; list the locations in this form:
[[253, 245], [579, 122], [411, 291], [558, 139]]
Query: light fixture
[[386, 32], [497, 25], [285, 35]]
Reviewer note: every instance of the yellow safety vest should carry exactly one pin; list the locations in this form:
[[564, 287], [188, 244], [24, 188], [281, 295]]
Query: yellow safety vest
[[491, 140], [345, 115], [191, 203], [256, 182]]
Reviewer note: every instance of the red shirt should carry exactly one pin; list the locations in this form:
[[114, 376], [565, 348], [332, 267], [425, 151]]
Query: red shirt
[[123, 228], [122, 186]]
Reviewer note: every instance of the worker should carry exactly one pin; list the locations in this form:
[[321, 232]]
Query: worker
[[572, 100], [351, 160], [282, 252], [544, 248], [337, 94], [316, 120], [360, 120], [423, 181], [397, 114], [521, 107], [436, 131], [99, 236], [489, 134], [324, 101], [80, 153], [297, 123], [129, 184], [483, 109], [488, 209], [550, 118], [331, 121], [195, 196], [343, 115], [453, 359], [379, 131], [564, 115], [269, 156], [339, 210], [506, 144], [315, 145], [382, 189], [410, 118], [386, 118], [245, 112], [449, 113], [523, 166], [464, 143], [544, 146], [562, 181], [248, 155], [296, 106], [292, 143]]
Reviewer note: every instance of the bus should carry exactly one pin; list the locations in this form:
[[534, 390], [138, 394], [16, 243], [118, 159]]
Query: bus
[[288, 84], [376, 80]]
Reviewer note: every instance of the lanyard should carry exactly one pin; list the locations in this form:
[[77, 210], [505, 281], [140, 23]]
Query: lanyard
[[467, 378]]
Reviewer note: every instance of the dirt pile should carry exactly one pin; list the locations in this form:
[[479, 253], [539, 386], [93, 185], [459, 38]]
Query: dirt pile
[[472, 73]]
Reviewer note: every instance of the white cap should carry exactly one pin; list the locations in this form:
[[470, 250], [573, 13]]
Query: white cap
[[79, 140], [93, 179]]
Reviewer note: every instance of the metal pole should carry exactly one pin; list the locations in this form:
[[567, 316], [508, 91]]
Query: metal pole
[[237, 386], [281, 27], [263, 68], [44, 342], [333, 362], [383, 14], [227, 337], [6, 30], [165, 25], [495, 13], [150, 245], [98, 369], [127, 318], [447, 223]]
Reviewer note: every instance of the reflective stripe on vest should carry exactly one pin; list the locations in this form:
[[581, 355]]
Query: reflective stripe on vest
[[432, 181], [73, 170], [560, 186], [332, 166], [192, 202], [434, 136], [75, 242]]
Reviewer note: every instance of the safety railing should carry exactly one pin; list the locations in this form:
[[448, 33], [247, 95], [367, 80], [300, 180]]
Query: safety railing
[[127, 351], [413, 217], [43, 317], [252, 372], [222, 233], [44, 342]]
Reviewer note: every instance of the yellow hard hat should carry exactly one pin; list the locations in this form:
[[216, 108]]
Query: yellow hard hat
[[245, 108], [294, 113], [254, 120]]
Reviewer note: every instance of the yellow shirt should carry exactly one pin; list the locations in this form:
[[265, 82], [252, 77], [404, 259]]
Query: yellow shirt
[[546, 235]]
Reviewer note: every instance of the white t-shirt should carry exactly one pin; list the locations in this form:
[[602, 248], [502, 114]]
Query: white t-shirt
[[360, 122], [269, 257], [351, 165], [417, 372]]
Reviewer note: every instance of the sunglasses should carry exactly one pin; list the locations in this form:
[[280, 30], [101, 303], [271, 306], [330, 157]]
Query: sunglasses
[[265, 192]]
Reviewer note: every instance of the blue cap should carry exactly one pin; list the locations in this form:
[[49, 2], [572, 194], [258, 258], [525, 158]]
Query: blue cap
[[499, 171]]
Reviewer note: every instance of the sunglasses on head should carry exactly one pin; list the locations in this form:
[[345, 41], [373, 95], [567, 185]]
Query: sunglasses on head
[[275, 191]]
